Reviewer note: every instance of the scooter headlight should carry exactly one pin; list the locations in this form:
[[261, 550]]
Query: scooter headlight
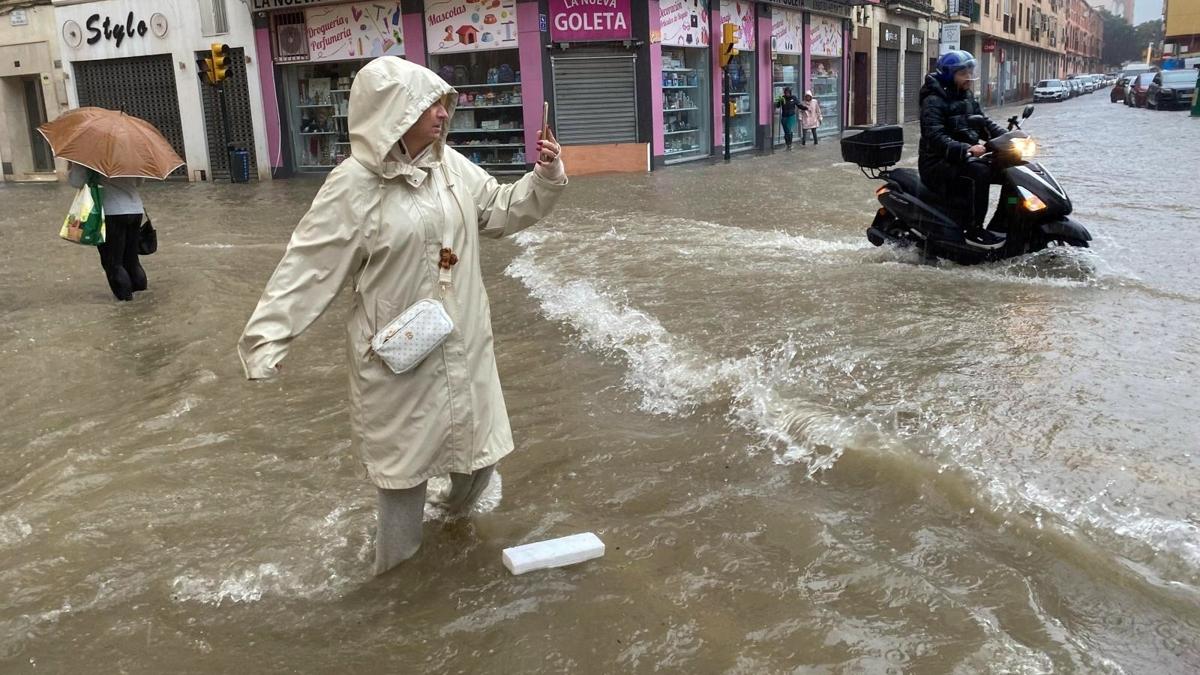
[[1030, 201], [1026, 147]]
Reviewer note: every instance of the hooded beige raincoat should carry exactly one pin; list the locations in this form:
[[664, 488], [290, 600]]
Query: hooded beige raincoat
[[378, 222]]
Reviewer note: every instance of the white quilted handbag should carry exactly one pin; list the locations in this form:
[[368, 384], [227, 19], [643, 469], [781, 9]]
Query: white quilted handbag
[[405, 342]]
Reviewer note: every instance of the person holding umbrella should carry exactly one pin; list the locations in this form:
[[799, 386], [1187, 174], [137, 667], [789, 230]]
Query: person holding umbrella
[[119, 152], [123, 211]]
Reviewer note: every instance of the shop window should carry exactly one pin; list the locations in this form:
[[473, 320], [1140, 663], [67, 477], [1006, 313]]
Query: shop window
[[319, 97], [687, 113], [488, 123]]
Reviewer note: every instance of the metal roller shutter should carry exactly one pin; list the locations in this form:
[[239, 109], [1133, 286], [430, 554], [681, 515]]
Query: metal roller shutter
[[887, 86], [237, 97], [914, 77], [142, 86], [595, 98]]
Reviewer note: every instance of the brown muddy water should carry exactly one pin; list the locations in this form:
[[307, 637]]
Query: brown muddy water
[[804, 454]]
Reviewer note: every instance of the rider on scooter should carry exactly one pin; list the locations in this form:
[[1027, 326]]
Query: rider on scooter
[[948, 142]]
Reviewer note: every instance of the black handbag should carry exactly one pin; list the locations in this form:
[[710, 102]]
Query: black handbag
[[147, 239]]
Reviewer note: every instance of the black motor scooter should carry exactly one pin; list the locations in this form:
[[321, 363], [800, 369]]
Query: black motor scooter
[[1032, 215]]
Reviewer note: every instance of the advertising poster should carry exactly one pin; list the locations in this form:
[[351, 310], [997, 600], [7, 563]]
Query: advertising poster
[[470, 25], [825, 36], [787, 32], [742, 14], [355, 31], [584, 20], [684, 23]]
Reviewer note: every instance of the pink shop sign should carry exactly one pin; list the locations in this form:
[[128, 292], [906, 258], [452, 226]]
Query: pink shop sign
[[590, 20]]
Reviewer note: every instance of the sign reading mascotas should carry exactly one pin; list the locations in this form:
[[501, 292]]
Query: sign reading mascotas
[[590, 20]]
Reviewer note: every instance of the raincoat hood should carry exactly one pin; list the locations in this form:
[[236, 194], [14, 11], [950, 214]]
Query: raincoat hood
[[388, 96]]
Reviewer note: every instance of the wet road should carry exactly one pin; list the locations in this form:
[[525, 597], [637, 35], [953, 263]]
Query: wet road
[[803, 452]]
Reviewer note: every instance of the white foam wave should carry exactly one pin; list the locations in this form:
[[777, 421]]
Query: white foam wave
[[249, 585], [438, 491], [674, 377], [13, 529]]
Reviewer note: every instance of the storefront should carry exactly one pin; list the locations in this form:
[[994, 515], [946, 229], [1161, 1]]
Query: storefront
[[317, 51], [32, 91], [118, 55], [914, 72], [887, 74], [787, 61], [594, 69], [827, 68], [743, 76], [685, 95], [475, 47]]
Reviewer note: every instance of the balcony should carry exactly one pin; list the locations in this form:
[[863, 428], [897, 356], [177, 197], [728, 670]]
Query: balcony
[[963, 11], [917, 7]]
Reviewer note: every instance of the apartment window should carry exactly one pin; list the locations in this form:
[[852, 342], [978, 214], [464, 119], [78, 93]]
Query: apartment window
[[987, 7], [213, 19]]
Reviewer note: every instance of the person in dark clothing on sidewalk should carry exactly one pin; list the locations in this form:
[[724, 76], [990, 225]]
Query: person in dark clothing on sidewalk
[[788, 104], [949, 144], [122, 224]]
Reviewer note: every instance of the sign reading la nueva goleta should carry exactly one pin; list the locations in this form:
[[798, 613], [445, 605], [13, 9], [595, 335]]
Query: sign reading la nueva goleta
[[584, 20]]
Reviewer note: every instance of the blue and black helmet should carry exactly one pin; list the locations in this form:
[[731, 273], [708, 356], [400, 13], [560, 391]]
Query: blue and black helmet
[[951, 62]]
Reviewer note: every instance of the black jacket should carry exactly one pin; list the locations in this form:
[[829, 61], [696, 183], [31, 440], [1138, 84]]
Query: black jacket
[[788, 104], [945, 134]]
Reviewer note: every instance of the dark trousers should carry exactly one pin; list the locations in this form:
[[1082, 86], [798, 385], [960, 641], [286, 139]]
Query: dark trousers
[[804, 136], [119, 255], [975, 181]]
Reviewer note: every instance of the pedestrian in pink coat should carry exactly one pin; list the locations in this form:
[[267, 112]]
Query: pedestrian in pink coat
[[810, 118]]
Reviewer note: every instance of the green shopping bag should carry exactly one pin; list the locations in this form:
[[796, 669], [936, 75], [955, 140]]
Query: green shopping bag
[[85, 220]]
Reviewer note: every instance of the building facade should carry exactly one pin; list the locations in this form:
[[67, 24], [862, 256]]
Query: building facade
[[631, 86], [32, 88], [1181, 29]]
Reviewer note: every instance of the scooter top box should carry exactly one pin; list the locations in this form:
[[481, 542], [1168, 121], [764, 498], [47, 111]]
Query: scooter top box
[[874, 148]]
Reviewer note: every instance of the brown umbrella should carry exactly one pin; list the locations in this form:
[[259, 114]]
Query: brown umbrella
[[111, 143]]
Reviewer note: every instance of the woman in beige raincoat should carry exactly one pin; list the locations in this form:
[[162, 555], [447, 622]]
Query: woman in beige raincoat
[[379, 222]]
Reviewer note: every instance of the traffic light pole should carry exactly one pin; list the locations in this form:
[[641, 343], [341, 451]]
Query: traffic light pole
[[225, 129], [728, 118]]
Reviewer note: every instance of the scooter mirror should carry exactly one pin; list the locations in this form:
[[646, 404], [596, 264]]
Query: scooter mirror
[[1028, 112]]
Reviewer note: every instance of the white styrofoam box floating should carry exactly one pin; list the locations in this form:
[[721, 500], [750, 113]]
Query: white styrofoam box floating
[[542, 555]]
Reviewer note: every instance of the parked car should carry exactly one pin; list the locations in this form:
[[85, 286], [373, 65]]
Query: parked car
[[1137, 93], [1076, 87], [1117, 95], [1171, 89], [1088, 85], [1051, 90]]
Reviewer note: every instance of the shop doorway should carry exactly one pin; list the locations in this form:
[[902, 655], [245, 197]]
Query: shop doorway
[[28, 152], [887, 90], [862, 88], [35, 115]]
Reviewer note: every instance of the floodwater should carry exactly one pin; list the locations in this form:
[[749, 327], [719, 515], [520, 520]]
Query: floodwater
[[804, 453]]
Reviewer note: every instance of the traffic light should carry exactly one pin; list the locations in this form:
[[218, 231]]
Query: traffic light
[[730, 33], [219, 62]]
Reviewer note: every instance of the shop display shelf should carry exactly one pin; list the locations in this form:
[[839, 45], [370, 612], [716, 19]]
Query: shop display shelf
[[488, 107], [339, 91], [680, 131], [315, 105], [683, 151], [320, 133], [679, 70], [486, 86], [681, 86], [485, 131], [318, 166], [675, 110], [742, 113]]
